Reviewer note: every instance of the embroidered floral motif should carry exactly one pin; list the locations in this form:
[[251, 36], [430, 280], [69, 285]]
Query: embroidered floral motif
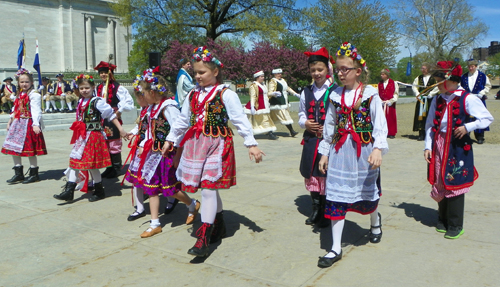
[[217, 107], [457, 170]]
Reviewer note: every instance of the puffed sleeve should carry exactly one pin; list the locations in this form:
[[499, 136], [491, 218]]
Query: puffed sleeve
[[302, 110], [429, 134], [181, 125], [415, 89], [271, 87], [238, 117], [126, 102], [379, 123], [105, 109], [487, 87], [254, 93], [36, 108], [172, 114], [476, 108]]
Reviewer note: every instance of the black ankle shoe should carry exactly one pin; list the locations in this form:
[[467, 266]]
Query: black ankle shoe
[[18, 175], [325, 262], [172, 206], [98, 192], [375, 238], [136, 215], [33, 177], [200, 249], [293, 133], [272, 136], [68, 192]]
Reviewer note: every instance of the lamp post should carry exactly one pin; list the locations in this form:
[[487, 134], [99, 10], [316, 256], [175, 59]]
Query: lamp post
[[408, 68]]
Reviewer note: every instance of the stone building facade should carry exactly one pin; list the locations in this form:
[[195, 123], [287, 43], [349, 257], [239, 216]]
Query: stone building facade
[[73, 35]]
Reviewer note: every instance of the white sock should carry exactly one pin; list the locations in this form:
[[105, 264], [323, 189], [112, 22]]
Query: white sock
[[155, 223], [375, 221], [53, 104], [96, 175], [209, 206], [192, 206], [337, 229], [69, 105], [17, 160], [72, 175], [62, 104], [139, 199]]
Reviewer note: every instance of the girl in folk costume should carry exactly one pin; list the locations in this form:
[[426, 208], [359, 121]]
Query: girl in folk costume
[[477, 83], [388, 91], [120, 100], [423, 92], [208, 160], [136, 136], [448, 146], [312, 112], [278, 99], [149, 170], [258, 108], [24, 129], [354, 139], [89, 151]]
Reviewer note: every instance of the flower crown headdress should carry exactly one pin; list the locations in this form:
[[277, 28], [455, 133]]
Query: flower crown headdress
[[83, 76], [22, 71], [136, 83], [149, 76], [202, 54], [349, 50]]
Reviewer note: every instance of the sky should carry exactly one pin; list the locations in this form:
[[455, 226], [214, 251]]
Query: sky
[[486, 10]]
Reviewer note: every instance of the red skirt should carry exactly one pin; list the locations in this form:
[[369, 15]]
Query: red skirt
[[95, 154], [34, 144], [228, 177], [392, 121]]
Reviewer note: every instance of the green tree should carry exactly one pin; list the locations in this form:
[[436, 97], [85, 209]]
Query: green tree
[[399, 74], [446, 28], [295, 41], [368, 26], [493, 68]]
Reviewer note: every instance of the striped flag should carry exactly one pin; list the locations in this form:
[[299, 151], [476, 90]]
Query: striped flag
[[36, 65], [21, 55]]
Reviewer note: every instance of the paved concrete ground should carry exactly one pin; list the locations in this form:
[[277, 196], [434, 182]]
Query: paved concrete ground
[[44, 242]]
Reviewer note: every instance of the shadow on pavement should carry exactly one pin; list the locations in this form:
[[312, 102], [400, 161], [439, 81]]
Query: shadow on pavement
[[54, 174], [425, 215]]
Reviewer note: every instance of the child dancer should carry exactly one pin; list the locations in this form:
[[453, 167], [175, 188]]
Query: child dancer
[[312, 111], [448, 146], [24, 129], [90, 151], [354, 139], [208, 160], [278, 93], [136, 136], [152, 172]]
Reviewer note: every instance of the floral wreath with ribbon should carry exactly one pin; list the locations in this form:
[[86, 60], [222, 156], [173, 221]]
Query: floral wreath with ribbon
[[202, 54], [349, 50], [86, 77], [150, 76], [21, 72]]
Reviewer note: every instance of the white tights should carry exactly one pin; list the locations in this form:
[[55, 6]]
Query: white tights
[[211, 205], [96, 175], [17, 161], [139, 199]]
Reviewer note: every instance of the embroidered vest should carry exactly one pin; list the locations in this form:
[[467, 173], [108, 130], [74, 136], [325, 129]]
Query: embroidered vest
[[457, 168], [362, 122], [316, 109], [278, 101], [161, 129], [478, 86], [216, 117], [430, 82], [112, 90], [92, 116]]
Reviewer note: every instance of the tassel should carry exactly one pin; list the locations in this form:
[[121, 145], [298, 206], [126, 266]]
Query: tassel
[[322, 111], [312, 103], [311, 116], [311, 110]]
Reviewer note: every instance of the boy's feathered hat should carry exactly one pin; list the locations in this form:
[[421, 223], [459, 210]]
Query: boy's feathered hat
[[105, 67], [321, 55], [448, 70]]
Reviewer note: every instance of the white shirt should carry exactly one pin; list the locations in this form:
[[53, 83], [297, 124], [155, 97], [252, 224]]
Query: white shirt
[[473, 106], [234, 110], [318, 93], [472, 78], [170, 112], [104, 108], [126, 103], [425, 79]]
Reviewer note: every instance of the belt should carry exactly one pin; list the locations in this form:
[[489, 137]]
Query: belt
[[93, 126]]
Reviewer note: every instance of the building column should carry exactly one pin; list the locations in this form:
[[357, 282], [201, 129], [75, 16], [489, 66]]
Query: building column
[[89, 42], [112, 40]]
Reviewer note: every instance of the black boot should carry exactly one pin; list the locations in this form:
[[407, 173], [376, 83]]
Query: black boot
[[114, 170], [219, 230], [292, 132], [98, 192], [272, 136], [18, 175], [323, 221], [33, 175], [200, 249], [68, 192], [313, 218], [421, 135]]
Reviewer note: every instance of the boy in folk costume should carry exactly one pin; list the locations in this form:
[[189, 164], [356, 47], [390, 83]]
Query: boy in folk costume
[[388, 91], [420, 84], [184, 81], [312, 112], [278, 99], [477, 83], [120, 100], [57, 91], [258, 108], [44, 89], [448, 146], [6, 91], [24, 130]]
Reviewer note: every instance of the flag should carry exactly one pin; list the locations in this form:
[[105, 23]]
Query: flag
[[21, 55], [36, 65], [408, 69]]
